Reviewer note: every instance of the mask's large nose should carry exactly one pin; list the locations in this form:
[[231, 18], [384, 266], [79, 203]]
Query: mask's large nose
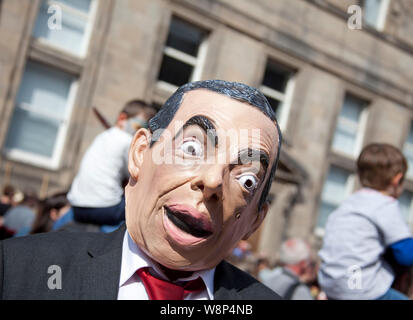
[[210, 182]]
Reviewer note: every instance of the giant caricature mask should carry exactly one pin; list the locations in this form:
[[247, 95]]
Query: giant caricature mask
[[188, 215]]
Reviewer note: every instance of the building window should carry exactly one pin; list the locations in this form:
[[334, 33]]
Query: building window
[[183, 55], [348, 136], [408, 152], [41, 116], [277, 86], [76, 23], [405, 202], [338, 185], [374, 12]]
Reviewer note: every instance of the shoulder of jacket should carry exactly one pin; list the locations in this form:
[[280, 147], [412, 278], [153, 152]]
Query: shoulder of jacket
[[240, 284]]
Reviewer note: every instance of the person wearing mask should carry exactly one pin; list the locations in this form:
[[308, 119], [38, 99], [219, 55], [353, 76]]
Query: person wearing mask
[[194, 192]]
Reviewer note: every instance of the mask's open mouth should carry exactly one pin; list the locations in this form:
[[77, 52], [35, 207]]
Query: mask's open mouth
[[196, 227]]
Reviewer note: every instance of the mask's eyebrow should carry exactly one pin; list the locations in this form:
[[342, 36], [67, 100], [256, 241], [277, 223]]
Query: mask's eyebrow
[[248, 155], [205, 124]]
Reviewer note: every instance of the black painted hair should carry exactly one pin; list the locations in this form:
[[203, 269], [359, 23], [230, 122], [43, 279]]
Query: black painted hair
[[234, 90]]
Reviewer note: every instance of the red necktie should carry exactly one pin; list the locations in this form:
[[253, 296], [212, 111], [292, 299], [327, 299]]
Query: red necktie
[[159, 289]]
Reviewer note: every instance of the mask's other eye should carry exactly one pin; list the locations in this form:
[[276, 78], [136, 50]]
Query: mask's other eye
[[248, 182], [192, 148]]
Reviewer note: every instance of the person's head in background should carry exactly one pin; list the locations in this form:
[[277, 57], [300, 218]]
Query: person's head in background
[[135, 115], [382, 167], [7, 194], [30, 199], [263, 263], [49, 210], [295, 255]]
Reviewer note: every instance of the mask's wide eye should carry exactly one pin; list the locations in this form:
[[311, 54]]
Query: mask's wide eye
[[192, 147], [248, 182]]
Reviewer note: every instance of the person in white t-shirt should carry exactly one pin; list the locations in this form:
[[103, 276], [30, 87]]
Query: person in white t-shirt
[[97, 191], [363, 227]]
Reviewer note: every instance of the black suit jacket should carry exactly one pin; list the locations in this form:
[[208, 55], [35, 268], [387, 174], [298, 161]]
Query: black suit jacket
[[90, 266]]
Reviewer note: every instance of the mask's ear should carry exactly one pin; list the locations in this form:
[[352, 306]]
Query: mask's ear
[[140, 143], [258, 220]]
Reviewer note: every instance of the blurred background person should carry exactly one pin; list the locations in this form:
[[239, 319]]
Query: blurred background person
[[20, 218], [288, 280], [97, 191], [49, 211], [263, 264], [6, 199], [312, 282], [242, 257]]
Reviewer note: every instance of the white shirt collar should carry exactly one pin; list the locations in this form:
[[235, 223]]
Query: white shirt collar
[[133, 258]]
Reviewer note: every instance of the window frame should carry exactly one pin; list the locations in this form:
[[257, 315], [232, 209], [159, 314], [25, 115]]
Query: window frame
[[361, 128], [52, 163], [410, 146], [197, 62], [380, 21], [410, 214], [90, 21], [284, 98], [349, 188]]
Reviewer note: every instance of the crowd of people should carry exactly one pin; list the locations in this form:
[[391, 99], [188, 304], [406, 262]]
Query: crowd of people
[[22, 213], [293, 274], [366, 239]]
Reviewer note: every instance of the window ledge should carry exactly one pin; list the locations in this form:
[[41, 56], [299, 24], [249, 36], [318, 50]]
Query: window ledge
[[43, 51], [343, 160], [31, 159], [163, 89]]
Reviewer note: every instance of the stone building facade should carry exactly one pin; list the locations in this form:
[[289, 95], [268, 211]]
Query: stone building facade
[[334, 88]]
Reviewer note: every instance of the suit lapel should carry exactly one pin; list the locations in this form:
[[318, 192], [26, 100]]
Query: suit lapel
[[231, 283], [224, 286], [99, 274]]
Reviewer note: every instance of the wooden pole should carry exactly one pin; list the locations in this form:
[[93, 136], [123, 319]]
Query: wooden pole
[[7, 173], [44, 187]]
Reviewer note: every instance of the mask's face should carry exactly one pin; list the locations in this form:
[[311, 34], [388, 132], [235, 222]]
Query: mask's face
[[191, 199]]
